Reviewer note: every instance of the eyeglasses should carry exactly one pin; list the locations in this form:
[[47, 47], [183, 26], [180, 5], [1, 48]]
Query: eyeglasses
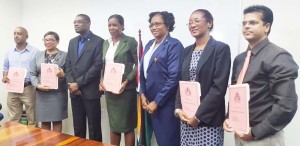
[[49, 40], [79, 22], [196, 22], [155, 24], [252, 23]]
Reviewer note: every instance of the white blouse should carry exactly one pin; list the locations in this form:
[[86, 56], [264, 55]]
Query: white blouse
[[110, 54], [148, 56]]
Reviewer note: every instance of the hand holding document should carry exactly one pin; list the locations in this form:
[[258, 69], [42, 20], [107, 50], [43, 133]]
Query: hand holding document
[[190, 93], [113, 74], [48, 75], [238, 107], [16, 80]]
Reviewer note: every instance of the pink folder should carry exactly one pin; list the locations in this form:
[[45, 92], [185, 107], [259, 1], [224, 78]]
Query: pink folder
[[190, 93], [48, 75], [16, 80], [113, 74], [239, 96]]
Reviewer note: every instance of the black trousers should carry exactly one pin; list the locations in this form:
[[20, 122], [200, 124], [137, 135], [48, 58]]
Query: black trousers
[[87, 110]]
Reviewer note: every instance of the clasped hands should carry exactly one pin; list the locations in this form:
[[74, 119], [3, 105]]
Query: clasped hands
[[74, 89], [123, 85], [150, 107], [246, 137], [192, 121]]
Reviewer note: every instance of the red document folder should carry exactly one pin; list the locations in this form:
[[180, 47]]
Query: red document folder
[[113, 74], [190, 93], [239, 96], [16, 80]]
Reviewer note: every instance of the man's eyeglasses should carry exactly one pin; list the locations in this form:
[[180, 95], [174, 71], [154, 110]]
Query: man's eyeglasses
[[252, 23], [79, 22]]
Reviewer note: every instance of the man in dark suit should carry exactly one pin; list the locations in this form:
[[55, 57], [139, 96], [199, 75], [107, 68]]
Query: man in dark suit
[[83, 67]]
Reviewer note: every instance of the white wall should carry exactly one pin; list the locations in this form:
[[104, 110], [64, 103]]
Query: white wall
[[10, 14], [57, 15]]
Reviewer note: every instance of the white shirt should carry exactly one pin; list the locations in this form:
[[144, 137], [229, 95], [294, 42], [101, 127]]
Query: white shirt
[[110, 54], [148, 56]]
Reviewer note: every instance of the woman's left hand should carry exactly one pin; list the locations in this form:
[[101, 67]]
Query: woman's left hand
[[193, 122], [123, 86], [60, 72], [151, 108]]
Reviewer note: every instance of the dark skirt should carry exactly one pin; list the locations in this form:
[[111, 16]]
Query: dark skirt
[[122, 110], [51, 106]]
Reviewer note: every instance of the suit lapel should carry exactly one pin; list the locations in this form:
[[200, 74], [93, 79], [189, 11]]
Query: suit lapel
[[206, 53], [121, 45], [158, 50], [86, 44], [186, 64], [57, 58], [105, 48]]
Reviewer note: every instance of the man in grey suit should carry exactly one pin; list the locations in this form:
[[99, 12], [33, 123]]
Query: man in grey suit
[[83, 67]]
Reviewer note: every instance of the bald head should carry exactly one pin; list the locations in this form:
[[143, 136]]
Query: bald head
[[20, 35]]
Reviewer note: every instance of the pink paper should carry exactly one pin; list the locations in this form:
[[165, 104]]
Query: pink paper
[[48, 75], [238, 107], [190, 93], [113, 74], [16, 80]]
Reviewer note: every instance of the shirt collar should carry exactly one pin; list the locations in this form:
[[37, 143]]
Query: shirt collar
[[259, 46], [87, 37], [27, 48]]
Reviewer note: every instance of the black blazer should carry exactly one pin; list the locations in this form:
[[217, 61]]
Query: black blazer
[[212, 73], [85, 69]]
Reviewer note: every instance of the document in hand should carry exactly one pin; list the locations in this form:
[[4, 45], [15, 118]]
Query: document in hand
[[190, 93], [239, 96], [16, 80], [113, 74], [48, 75]]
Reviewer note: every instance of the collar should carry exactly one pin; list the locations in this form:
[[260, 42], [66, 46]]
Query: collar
[[259, 46], [86, 37], [27, 48]]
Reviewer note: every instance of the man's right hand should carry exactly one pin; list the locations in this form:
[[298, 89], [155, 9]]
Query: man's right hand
[[226, 126]]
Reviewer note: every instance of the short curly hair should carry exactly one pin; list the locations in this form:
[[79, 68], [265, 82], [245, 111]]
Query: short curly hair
[[168, 18]]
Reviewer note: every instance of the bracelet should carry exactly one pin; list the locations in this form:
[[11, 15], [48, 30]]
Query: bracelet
[[176, 112]]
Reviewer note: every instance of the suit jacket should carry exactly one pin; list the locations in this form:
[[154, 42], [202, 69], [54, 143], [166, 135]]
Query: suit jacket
[[85, 69], [163, 71], [35, 71], [212, 73], [126, 53]]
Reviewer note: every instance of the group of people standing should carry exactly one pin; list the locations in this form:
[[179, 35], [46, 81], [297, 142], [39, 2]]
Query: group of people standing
[[270, 75]]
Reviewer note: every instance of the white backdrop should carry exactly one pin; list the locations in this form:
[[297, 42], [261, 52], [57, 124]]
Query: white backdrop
[[57, 15]]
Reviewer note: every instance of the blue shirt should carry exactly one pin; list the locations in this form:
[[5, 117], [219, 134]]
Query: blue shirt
[[20, 59], [81, 42]]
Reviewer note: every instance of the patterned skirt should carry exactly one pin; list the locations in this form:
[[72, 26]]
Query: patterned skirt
[[201, 136]]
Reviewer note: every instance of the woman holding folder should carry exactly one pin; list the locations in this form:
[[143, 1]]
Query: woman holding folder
[[207, 61], [121, 106], [51, 104], [159, 76]]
